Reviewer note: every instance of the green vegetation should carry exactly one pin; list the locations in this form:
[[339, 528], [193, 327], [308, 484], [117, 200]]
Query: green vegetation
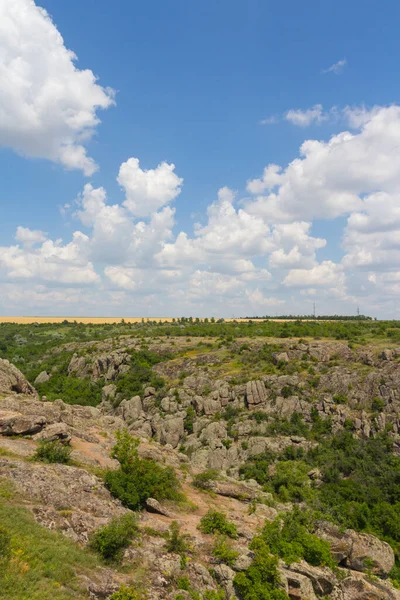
[[71, 389], [216, 522], [204, 480], [291, 539], [127, 593], [360, 487], [53, 452], [44, 564], [140, 374], [5, 545], [261, 580], [110, 540], [139, 478], [176, 542], [224, 552]]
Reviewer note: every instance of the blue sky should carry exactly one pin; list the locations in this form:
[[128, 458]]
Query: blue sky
[[193, 82]]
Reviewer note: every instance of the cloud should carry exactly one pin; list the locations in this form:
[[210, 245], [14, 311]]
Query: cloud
[[48, 107], [336, 67], [243, 256], [304, 118], [147, 191], [327, 275], [329, 179], [29, 237], [272, 120], [50, 262]]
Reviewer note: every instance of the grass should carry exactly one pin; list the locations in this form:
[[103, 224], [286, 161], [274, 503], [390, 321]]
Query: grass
[[44, 564]]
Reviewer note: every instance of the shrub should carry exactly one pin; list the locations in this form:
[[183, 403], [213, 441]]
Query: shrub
[[138, 478], [203, 480], [110, 540], [53, 452], [5, 545], [176, 542], [377, 405], [261, 580], [189, 419], [340, 399], [291, 482], [127, 593], [224, 552], [290, 538], [216, 522]]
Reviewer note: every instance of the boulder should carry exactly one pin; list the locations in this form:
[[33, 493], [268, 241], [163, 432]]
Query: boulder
[[169, 430], [130, 410], [108, 392], [256, 393], [357, 551], [279, 357], [43, 377], [13, 423], [369, 553], [12, 380], [153, 506], [359, 587], [322, 578], [78, 367], [298, 586], [56, 431], [225, 576]]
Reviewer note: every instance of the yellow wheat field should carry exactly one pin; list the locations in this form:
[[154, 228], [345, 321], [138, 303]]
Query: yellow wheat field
[[108, 320]]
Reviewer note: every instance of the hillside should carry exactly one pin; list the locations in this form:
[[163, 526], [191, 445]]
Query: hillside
[[214, 461]]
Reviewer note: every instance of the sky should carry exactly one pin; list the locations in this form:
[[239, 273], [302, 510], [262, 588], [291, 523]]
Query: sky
[[202, 158]]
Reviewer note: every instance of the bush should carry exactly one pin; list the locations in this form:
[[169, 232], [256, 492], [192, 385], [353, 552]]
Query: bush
[[340, 399], [224, 552], [110, 540], [189, 419], [127, 593], [138, 478], [140, 374], [175, 541], [261, 580], [5, 545], [291, 482], [377, 405], [203, 480], [53, 452], [291, 539], [216, 522]]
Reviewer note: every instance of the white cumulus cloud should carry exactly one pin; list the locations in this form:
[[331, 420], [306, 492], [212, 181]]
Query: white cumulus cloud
[[48, 107], [148, 190]]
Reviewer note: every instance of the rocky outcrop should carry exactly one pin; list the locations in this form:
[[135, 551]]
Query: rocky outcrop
[[71, 499], [56, 431], [43, 377], [357, 551], [153, 506], [256, 393], [12, 380], [13, 423]]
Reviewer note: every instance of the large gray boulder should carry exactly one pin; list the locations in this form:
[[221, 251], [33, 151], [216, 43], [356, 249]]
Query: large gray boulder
[[256, 393], [14, 423], [12, 380], [357, 551]]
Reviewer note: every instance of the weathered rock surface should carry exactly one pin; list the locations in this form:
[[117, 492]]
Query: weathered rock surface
[[43, 377], [13, 423], [153, 506], [357, 551], [12, 380], [72, 500]]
